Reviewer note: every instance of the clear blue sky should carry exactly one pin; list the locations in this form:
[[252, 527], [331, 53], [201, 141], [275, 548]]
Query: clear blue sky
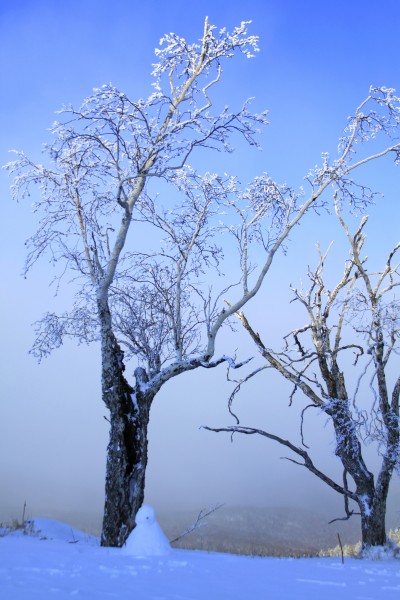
[[316, 64]]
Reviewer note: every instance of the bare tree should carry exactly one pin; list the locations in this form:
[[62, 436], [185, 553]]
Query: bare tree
[[103, 164], [103, 157], [360, 317]]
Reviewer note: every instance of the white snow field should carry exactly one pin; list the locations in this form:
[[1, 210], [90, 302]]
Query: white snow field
[[57, 562]]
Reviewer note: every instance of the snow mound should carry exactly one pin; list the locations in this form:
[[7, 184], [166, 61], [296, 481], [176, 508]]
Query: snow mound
[[389, 551], [147, 539], [49, 529]]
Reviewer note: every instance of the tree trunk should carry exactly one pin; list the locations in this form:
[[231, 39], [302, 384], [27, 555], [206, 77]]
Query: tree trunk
[[373, 525], [373, 512], [372, 502], [371, 498], [127, 448]]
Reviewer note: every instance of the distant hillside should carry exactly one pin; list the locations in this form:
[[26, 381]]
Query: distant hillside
[[260, 531], [270, 531]]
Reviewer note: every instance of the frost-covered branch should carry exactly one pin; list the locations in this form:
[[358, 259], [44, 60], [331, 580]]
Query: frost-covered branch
[[105, 151]]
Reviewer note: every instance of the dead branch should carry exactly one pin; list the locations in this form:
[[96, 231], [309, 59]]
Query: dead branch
[[199, 521]]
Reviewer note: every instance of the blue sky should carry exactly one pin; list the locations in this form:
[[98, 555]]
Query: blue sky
[[316, 64]]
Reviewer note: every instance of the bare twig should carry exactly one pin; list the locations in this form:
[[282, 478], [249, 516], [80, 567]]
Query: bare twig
[[199, 521]]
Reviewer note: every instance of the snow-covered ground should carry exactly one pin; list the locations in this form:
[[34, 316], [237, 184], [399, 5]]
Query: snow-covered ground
[[58, 562]]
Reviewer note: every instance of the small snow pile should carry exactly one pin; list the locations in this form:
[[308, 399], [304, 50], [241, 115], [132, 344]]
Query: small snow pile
[[147, 539], [389, 551], [49, 529]]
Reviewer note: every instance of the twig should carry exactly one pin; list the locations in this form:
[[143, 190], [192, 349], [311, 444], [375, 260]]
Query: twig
[[202, 515], [73, 541]]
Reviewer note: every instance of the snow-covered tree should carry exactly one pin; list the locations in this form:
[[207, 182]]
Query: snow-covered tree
[[102, 158], [344, 362]]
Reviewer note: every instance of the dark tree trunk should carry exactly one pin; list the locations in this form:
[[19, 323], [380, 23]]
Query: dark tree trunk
[[373, 525], [373, 518], [127, 448], [371, 498]]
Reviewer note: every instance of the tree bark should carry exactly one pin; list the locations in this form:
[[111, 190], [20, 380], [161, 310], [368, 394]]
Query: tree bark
[[373, 519], [371, 498], [373, 524], [127, 448]]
